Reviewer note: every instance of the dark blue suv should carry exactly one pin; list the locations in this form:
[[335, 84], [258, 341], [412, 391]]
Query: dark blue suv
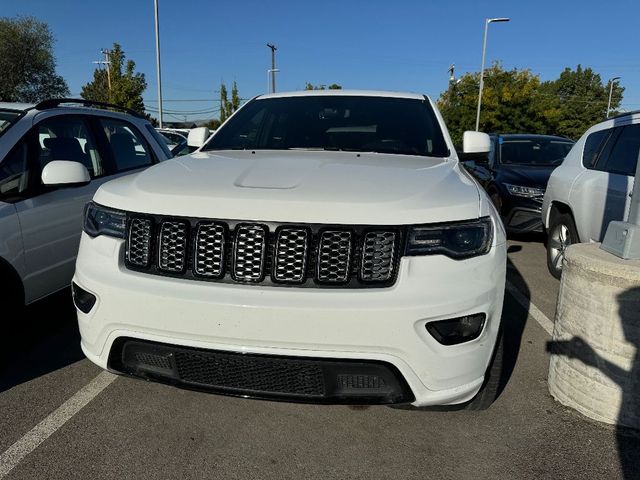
[[516, 173]]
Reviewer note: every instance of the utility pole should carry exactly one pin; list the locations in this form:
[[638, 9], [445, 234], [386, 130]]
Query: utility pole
[[158, 65], [273, 66], [107, 62], [452, 73]]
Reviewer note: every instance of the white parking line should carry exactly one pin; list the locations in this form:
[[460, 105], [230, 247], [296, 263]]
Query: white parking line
[[47, 427], [534, 311]]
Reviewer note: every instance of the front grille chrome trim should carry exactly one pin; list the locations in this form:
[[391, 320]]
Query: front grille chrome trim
[[265, 253], [332, 267], [210, 249], [172, 246], [291, 242], [248, 256]]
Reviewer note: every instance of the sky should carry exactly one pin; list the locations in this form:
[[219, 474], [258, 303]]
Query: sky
[[382, 45]]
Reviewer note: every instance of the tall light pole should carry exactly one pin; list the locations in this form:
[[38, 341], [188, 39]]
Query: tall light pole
[[270, 73], [484, 50], [611, 80], [273, 66], [158, 64]]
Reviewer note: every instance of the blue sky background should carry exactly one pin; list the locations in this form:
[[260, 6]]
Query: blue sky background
[[387, 45]]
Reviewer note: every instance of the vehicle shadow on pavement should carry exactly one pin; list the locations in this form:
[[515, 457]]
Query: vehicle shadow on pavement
[[44, 337], [514, 319], [629, 381]]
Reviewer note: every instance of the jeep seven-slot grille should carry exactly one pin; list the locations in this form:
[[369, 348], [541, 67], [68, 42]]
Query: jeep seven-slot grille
[[278, 254]]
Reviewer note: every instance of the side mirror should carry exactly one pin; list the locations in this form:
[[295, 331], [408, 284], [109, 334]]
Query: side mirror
[[197, 137], [65, 172], [475, 142]]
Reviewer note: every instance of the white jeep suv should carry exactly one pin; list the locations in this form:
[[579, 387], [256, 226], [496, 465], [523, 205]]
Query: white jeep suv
[[592, 187], [322, 247], [53, 157]]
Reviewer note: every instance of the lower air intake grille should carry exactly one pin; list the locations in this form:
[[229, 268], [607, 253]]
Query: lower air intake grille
[[307, 379], [251, 373]]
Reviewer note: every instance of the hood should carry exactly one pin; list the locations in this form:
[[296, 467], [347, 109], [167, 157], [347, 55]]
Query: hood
[[294, 186], [526, 175]]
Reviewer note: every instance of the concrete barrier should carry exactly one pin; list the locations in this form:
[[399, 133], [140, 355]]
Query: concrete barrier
[[595, 358]]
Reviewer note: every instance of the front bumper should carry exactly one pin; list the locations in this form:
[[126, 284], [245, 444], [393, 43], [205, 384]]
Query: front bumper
[[370, 325], [523, 220]]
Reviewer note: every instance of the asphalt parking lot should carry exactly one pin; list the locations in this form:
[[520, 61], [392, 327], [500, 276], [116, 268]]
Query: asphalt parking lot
[[60, 417]]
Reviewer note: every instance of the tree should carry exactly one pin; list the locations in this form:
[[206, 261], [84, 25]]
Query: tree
[[235, 98], [577, 100], [27, 65], [225, 105], [515, 101], [126, 86], [333, 86], [228, 107], [510, 103]]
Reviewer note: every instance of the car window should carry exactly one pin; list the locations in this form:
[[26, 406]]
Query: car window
[[160, 140], [14, 172], [624, 154], [350, 123], [128, 146], [534, 151], [593, 147], [68, 137]]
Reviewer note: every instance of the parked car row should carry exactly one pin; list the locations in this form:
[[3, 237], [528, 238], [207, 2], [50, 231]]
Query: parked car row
[[317, 248], [570, 191]]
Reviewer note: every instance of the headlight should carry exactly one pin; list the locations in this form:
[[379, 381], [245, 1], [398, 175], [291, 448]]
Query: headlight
[[456, 240], [528, 192], [99, 220]]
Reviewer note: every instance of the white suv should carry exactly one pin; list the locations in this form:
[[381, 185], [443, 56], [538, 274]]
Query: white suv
[[53, 157], [592, 187], [321, 247]]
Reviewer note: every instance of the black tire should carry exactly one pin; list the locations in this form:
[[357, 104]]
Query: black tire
[[491, 387], [562, 233]]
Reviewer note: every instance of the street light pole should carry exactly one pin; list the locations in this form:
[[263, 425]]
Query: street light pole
[[273, 66], [158, 64], [611, 80], [271, 74], [484, 50]]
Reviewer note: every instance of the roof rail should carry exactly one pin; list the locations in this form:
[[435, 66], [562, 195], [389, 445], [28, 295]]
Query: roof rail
[[56, 102], [620, 115]]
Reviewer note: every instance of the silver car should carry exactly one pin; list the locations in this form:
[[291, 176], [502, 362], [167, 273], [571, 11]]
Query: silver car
[[592, 187]]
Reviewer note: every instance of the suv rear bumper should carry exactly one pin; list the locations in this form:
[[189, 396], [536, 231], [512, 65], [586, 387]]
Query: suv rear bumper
[[368, 325]]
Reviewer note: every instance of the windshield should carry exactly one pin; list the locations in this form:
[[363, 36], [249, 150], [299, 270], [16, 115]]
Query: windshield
[[534, 152], [349, 123], [8, 118]]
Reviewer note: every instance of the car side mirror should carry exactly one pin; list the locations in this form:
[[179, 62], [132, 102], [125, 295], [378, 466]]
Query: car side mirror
[[475, 142], [197, 137], [476, 147], [65, 173]]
